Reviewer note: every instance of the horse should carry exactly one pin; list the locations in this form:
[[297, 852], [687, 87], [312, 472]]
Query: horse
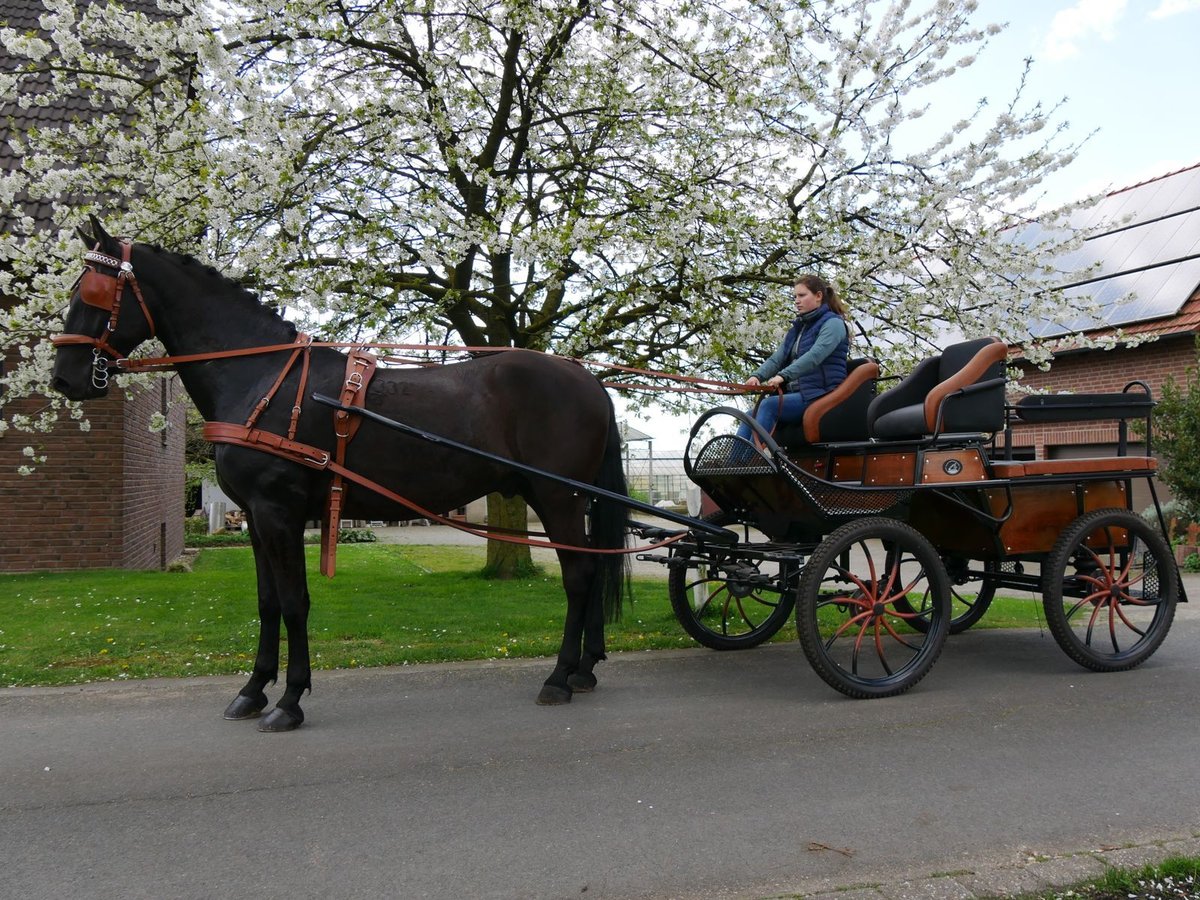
[[545, 412]]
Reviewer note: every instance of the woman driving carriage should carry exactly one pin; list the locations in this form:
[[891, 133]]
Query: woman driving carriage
[[811, 359]]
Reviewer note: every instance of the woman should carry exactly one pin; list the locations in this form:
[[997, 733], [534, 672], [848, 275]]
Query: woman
[[810, 361]]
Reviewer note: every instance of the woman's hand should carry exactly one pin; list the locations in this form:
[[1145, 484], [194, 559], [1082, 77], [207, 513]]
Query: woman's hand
[[752, 381], [776, 381]]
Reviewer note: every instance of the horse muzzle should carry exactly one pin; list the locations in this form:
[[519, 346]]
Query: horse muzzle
[[81, 373]]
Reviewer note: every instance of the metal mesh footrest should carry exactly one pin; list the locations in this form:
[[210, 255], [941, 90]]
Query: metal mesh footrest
[[732, 455], [835, 500]]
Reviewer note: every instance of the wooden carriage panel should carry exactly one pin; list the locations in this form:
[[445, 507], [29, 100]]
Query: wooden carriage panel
[[848, 468], [952, 466], [889, 468], [951, 528], [813, 463], [1041, 512]]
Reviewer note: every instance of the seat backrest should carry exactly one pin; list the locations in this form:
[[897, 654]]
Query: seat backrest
[[971, 364], [841, 415], [961, 390]]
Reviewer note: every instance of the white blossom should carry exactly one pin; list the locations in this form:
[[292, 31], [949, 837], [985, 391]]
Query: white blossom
[[646, 193]]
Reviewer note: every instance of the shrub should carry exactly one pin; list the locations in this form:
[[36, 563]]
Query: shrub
[[356, 536]]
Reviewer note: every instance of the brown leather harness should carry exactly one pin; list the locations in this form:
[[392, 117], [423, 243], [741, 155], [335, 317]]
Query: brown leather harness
[[360, 367], [105, 289]]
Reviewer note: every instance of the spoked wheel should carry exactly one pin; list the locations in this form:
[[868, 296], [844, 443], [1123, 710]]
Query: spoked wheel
[[873, 608], [970, 594], [1109, 590], [731, 605]]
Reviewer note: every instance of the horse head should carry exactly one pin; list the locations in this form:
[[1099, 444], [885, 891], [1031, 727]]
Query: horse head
[[106, 320]]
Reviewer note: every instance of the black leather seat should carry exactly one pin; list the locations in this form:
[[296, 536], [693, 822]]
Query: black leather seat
[[959, 391], [840, 415]]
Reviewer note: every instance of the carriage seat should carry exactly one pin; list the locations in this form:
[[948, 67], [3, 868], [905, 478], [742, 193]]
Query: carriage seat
[[961, 390], [840, 415], [1073, 466]]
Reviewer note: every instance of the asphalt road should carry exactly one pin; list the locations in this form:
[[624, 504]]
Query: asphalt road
[[688, 774]]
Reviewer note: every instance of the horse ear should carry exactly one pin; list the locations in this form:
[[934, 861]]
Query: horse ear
[[88, 238], [98, 234]]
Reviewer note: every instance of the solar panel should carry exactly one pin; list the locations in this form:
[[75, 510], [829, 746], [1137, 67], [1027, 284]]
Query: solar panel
[[1144, 260]]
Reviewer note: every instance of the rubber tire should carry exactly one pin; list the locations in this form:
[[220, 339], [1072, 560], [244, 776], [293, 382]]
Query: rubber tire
[[817, 648], [1058, 616], [677, 589]]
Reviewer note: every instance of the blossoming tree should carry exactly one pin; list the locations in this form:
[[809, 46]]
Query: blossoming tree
[[623, 180]]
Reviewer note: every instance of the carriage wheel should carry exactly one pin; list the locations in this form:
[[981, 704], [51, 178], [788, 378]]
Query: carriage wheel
[[731, 605], [966, 606], [861, 623], [1109, 590]]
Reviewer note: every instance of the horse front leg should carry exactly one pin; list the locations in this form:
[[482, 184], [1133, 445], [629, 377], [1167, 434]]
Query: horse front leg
[[285, 557], [252, 698], [277, 536]]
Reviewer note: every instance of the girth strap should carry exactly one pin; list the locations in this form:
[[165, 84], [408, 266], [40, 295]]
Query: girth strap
[[360, 367]]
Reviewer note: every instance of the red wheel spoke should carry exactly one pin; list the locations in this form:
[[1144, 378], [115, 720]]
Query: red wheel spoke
[[1124, 618], [879, 646], [859, 618], [899, 637]]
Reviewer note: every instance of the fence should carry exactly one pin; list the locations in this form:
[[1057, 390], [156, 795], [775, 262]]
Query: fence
[[657, 479]]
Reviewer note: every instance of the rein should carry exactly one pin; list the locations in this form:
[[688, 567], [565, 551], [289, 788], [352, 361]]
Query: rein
[[102, 284]]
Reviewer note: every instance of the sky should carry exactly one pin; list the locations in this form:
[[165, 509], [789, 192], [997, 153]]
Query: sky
[[1127, 72]]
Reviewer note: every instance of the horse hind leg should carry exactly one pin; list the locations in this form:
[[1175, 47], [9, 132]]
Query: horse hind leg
[[583, 679], [562, 682]]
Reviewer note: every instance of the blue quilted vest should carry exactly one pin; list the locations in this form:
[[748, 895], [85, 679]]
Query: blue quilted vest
[[832, 371]]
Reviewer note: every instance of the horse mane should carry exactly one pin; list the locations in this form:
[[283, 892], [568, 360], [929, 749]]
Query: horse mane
[[232, 289]]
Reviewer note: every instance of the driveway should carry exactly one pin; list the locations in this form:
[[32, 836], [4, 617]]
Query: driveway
[[688, 774]]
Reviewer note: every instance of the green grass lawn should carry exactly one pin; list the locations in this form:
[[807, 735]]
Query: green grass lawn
[[389, 605]]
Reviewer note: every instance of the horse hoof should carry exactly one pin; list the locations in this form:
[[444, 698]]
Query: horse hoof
[[279, 719], [245, 707], [552, 695], [582, 682]]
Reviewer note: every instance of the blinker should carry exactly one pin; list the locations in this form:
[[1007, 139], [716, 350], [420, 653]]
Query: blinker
[[95, 287]]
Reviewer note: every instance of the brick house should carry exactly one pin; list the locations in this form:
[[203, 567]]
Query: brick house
[[1149, 244], [110, 497]]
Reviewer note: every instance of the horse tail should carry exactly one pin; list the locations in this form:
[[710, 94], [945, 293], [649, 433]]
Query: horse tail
[[610, 522]]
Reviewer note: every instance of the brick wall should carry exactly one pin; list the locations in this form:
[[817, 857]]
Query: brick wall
[[1098, 372], [153, 479], [109, 497]]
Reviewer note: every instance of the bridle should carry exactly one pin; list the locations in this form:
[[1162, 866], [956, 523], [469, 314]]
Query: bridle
[[102, 285]]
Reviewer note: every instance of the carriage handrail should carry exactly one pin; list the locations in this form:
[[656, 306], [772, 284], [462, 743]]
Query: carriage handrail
[[711, 530], [964, 392]]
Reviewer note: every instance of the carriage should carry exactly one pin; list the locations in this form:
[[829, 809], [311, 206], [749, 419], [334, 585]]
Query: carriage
[[889, 521]]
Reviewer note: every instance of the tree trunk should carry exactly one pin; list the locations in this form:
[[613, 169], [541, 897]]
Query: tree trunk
[[505, 559]]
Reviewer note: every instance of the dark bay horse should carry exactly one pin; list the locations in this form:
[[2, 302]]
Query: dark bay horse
[[535, 409]]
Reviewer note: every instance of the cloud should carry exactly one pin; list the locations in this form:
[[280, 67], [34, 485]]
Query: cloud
[[1087, 18], [1174, 7]]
